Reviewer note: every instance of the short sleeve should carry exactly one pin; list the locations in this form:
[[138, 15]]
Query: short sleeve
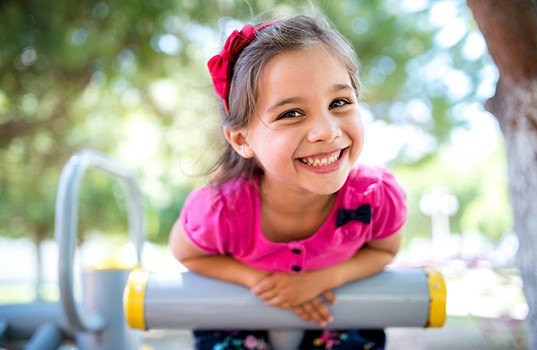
[[391, 213], [203, 220]]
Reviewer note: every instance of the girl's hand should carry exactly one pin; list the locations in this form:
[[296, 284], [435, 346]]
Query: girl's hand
[[314, 310], [286, 290]]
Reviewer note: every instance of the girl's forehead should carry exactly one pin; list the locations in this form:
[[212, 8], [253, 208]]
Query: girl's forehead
[[313, 69]]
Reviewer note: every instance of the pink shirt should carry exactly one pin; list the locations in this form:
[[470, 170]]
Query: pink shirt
[[226, 220]]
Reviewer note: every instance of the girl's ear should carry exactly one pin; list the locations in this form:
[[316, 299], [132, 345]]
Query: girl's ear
[[239, 141]]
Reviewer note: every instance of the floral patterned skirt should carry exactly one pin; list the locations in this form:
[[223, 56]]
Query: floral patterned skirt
[[312, 340]]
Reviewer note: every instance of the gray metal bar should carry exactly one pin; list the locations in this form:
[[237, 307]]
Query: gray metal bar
[[24, 319], [398, 298], [103, 291], [66, 221], [46, 337], [4, 325]]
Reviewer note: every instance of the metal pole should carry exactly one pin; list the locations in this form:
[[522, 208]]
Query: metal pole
[[103, 291], [96, 320], [46, 337], [392, 298]]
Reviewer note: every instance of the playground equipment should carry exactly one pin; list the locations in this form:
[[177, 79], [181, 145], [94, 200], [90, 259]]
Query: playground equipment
[[118, 302], [97, 321], [393, 298]]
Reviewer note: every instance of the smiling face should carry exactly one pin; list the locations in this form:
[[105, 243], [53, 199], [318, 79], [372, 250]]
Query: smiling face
[[306, 133]]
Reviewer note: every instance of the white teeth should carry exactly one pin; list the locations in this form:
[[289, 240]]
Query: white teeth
[[322, 161]]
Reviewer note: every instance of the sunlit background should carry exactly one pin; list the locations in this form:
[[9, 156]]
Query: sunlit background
[[129, 79]]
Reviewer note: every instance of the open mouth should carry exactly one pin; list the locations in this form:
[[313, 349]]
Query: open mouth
[[322, 159]]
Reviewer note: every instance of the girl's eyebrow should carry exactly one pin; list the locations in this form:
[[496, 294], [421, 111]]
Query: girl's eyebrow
[[339, 87], [284, 102], [335, 88]]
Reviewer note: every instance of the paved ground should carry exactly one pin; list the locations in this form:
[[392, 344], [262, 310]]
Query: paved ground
[[461, 333]]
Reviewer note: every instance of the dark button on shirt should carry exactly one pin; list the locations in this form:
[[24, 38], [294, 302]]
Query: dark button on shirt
[[296, 268], [296, 251]]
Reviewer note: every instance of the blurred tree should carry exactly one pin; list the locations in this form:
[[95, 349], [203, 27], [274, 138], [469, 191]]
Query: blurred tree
[[122, 76], [510, 29], [129, 79], [479, 193]]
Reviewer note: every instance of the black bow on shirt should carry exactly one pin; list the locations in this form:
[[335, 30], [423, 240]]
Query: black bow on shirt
[[362, 213]]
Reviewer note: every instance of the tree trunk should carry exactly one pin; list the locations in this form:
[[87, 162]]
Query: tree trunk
[[510, 30]]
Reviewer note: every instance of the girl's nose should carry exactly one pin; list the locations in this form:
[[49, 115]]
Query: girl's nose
[[324, 128]]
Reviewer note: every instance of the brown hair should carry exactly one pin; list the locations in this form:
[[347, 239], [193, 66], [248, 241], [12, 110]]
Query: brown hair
[[285, 35]]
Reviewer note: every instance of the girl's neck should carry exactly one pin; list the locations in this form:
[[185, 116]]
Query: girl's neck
[[286, 201], [291, 215]]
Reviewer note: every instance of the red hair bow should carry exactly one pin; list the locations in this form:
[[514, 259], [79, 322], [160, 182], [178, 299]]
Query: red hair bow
[[221, 65]]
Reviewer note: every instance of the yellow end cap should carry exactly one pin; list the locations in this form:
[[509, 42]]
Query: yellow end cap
[[112, 263], [134, 299], [437, 298]]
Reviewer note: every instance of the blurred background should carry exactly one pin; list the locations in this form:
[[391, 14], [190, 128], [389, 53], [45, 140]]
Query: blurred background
[[129, 79]]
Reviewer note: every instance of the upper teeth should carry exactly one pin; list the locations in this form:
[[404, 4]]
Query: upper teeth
[[321, 161]]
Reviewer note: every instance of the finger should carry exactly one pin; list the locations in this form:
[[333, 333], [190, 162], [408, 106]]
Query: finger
[[321, 315], [307, 315], [324, 312], [313, 315], [267, 295], [300, 313], [277, 301], [330, 297], [264, 286]]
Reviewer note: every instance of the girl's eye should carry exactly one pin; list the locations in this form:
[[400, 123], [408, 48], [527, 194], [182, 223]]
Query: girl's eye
[[289, 115], [340, 102]]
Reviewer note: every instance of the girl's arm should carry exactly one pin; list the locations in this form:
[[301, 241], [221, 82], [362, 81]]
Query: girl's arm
[[372, 258], [281, 289], [222, 267]]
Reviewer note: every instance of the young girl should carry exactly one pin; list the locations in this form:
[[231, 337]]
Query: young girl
[[288, 213]]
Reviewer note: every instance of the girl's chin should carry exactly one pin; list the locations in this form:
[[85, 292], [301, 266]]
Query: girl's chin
[[326, 187]]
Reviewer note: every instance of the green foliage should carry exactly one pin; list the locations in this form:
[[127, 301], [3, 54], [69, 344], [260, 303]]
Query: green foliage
[[479, 187], [129, 79]]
